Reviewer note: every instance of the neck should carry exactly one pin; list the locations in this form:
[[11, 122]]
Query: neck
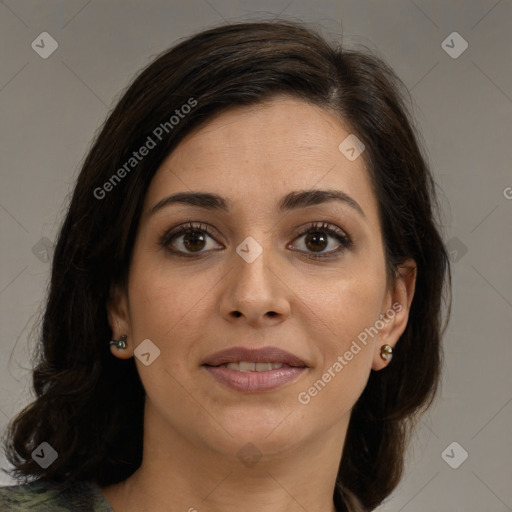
[[182, 474]]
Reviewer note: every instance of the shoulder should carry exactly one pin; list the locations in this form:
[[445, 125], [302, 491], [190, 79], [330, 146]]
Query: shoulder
[[47, 496]]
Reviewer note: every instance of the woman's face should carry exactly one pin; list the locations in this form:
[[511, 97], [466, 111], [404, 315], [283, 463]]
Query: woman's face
[[270, 262]]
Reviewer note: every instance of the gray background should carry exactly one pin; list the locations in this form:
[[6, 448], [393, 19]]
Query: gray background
[[51, 108]]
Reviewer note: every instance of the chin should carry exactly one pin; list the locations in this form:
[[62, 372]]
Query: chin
[[270, 430]]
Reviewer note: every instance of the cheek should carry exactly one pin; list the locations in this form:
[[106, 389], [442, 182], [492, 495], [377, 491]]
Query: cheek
[[163, 300], [347, 312], [167, 309], [170, 308], [347, 302], [357, 311], [361, 302], [345, 362]]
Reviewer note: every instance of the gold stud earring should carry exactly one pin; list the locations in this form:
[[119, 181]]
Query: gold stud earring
[[386, 352], [120, 344]]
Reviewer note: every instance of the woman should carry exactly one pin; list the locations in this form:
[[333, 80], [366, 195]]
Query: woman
[[245, 308]]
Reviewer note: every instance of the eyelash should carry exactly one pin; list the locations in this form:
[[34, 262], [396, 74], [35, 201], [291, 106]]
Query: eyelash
[[333, 231]]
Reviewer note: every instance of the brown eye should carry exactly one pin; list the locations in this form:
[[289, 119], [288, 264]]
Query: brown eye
[[189, 240], [194, 241], [316, 241]]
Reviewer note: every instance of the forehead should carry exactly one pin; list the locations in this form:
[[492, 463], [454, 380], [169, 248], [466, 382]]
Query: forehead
[[263, 151]]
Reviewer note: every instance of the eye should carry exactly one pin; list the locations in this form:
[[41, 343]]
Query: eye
[[189, 239], [318, 239], [192, 239]]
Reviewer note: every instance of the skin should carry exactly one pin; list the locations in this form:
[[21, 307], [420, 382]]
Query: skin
[[194, 426]]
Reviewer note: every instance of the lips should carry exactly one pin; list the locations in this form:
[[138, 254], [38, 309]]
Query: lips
[[272, 355], [246, 366], [254, 370]]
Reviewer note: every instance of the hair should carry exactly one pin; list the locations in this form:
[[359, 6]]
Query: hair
[[89, 405]]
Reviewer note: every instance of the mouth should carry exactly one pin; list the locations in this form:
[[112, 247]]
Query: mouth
[[247, 366], [249, 360], [254, 370]]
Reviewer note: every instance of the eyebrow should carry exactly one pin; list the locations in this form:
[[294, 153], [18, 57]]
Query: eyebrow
[[291, 201]]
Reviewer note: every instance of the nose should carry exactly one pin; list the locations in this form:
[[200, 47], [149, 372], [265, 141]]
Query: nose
[[255, 293]]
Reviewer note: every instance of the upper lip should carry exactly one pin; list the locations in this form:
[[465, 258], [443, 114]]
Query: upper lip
[[253, 355]]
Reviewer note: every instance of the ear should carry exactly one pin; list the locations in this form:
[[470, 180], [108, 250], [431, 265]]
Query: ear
[[395, 312], [118, 313]]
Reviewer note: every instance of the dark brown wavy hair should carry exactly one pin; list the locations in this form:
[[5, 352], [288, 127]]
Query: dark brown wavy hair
[[89, 405]]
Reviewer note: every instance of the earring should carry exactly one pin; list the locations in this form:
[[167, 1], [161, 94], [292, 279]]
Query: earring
[[386, 352], [120, 343]]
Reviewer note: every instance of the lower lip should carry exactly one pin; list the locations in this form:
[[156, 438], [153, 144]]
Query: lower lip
[[254, 382]]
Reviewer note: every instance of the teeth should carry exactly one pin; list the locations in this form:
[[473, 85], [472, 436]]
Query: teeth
[[244, 366], [263, 367], [247, 367]]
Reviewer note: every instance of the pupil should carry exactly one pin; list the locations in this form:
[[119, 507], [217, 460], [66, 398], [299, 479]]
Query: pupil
[[316, 238], [192, 238]]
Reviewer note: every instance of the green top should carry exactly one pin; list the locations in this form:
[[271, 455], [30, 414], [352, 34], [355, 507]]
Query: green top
[[46, 496]]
